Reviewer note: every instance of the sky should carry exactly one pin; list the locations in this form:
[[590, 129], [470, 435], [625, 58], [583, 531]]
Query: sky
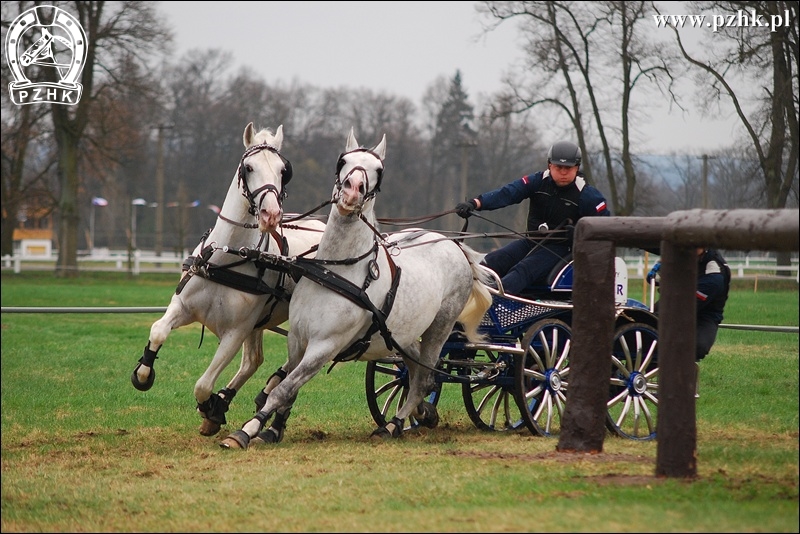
[[397, 47]]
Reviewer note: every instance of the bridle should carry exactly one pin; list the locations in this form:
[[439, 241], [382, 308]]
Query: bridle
[[339, 182], [341, 162], [261, 192]]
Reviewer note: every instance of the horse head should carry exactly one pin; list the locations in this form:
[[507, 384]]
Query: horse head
[[263, 175], [358, 175]]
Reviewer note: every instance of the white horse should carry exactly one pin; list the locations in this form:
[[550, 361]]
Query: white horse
[[226, 288], [366, 298]]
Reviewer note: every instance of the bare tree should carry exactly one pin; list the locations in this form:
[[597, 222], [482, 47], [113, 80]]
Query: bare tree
[[508, 148], [763, 54], [28, 155], [571, 47], [27, 163], [128, 32], [731, 180]]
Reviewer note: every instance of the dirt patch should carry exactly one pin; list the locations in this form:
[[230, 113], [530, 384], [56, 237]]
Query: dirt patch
[[564, 457], [625, 480]]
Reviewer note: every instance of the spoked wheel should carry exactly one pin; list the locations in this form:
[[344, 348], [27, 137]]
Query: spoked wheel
[[541, 376], [633, 393], [489, 396], [387, 390]]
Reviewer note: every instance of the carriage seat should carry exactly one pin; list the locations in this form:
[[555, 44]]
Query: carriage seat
[[557, 285]]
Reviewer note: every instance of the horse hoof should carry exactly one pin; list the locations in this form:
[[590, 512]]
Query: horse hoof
[[209, 428], [147, 384], [380, 433], [237, 440], [393, 429], [269, 435], [430, 416]]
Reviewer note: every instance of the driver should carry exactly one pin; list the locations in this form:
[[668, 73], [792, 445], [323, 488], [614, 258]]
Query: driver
[[559, 196]]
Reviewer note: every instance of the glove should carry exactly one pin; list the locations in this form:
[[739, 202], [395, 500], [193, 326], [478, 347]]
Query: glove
[[653, 272], [465, 209]]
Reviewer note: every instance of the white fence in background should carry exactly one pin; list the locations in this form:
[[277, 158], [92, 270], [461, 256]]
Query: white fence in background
[[141, 261], [136, 263], [748, 267]]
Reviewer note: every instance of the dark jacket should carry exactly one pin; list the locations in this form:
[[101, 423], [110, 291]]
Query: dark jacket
[[549, 203], [713, 284]]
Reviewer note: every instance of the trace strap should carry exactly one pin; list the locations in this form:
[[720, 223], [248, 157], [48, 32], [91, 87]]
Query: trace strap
[[315, 270]]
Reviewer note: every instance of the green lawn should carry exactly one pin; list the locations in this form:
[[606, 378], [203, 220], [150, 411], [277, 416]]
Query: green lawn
[[82, 450]]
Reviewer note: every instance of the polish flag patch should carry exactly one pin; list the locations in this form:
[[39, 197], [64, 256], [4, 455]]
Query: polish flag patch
[[525, 180], [701, 296], [600, 207]]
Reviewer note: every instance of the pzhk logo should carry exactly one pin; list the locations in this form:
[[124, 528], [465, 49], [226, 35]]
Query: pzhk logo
[[59, 45]]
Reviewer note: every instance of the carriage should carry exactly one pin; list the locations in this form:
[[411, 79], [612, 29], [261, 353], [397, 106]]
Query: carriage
[[518, 378], [444, 320]]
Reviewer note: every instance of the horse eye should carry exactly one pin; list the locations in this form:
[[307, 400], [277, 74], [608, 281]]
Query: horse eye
[[248, 167]]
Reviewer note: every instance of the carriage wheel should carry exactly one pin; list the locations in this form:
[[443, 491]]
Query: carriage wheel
[[387, 390], [541, 376], [633, 393], [489, 400]]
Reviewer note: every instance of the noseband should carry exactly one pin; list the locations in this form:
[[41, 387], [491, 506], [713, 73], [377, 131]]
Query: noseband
[[251, 196]]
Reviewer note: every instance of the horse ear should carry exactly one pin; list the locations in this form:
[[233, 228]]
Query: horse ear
[[278, 137], [248, 137], [351, 144], [380, 149]]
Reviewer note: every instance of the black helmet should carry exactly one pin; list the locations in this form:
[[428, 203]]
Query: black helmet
[[564, 153]]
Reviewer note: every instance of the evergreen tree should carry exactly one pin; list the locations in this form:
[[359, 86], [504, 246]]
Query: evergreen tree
[[452, 138]]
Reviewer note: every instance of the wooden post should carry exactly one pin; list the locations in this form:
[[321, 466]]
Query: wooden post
[[583, 425], [677, 424]]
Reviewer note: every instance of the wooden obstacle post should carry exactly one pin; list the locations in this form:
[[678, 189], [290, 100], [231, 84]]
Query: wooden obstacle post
[[678, 235]]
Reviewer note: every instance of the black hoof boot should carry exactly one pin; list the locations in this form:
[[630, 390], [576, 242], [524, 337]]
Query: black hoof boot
[[147, 384], [148, 359], [429, 416], [270, 435], [393, 429], [213, 411], [273, 434], [237, 440]]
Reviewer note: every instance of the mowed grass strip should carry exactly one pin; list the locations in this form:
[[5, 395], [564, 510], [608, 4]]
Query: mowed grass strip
[[83, 451]]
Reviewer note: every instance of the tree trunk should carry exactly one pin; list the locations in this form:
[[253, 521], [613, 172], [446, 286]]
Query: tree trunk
[[67, 265]]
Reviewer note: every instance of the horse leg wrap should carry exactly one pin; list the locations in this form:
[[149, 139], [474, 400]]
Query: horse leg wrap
[[272, 382], [149, 356], [215, 406], [393, 429], [274, 434]]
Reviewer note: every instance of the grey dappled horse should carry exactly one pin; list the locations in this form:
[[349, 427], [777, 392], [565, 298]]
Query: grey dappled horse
[[236, 297], [398, 293]]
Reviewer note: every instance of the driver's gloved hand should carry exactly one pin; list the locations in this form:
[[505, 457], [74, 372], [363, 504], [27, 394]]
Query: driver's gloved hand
[[465, 209]]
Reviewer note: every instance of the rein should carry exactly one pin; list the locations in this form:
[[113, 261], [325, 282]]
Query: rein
[[306, 214], [251, 226]]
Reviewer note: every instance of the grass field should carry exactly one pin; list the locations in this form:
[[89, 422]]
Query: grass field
[[83, 451]]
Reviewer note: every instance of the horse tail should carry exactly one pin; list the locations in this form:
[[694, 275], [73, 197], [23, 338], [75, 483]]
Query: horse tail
[[480, 299]]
